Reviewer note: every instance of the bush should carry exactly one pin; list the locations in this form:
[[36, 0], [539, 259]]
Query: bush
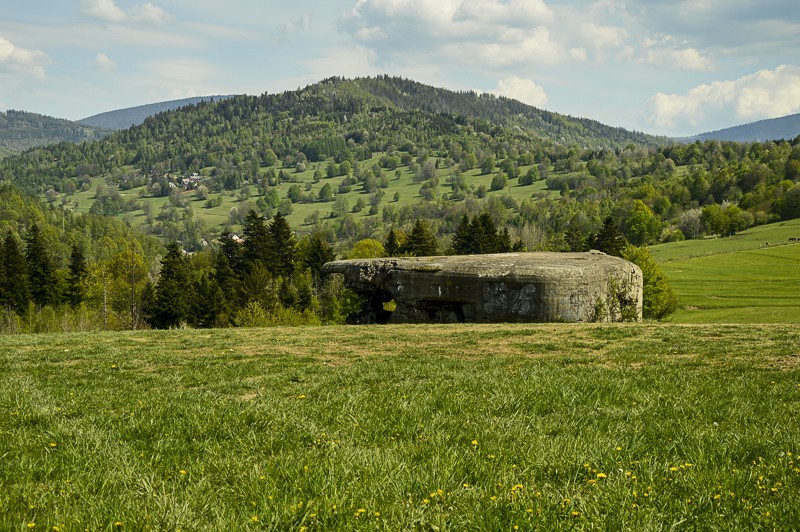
[[658, 299]]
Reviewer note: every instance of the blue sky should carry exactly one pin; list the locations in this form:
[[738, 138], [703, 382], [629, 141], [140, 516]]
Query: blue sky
[[671, 68]]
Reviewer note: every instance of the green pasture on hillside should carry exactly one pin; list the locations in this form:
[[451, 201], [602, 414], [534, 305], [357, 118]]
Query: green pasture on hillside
[[752, 277], [405, 185], [463, 427]]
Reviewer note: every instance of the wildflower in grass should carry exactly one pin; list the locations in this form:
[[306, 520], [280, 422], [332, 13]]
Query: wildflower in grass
[[31, 525], [601, 476], [575, 513], [53, 444], [118, 524], [254, 519], [474, 443], [182, 471], [377, 514]]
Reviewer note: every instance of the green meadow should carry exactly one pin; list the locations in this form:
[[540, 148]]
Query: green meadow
[[752, 277], [464, 427], [403, 184]]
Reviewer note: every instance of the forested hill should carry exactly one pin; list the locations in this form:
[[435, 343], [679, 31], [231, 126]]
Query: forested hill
[[348, 119], [133, 116], [20, 130], [785, 127], [411, 95]]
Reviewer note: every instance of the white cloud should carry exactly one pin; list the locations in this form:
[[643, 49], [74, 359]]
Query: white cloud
[[685, 59], [15, 59], [103, 9], [490, 34], [764, 94], [524, 90], [149, 13], [104, 63], [109, 11], [603, 37]]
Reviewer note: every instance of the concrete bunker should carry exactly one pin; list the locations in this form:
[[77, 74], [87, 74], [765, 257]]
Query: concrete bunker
[[509, 287]]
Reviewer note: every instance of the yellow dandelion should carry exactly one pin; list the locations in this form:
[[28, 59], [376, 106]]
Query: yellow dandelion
[[182, 471], [474, 442], [254, 519], [602, 475], [53, 444], [31, 525], [575, 513], [118, 524]]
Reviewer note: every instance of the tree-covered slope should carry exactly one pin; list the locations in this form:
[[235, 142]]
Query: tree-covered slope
[[20, 131]]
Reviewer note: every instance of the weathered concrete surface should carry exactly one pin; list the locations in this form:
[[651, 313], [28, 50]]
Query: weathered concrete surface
[[509, 287]]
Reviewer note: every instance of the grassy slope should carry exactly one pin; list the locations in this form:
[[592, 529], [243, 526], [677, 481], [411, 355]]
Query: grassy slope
[[405, 186], [753, 277], [402, 427]]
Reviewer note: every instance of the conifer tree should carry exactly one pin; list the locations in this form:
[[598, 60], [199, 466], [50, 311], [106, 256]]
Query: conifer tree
[[14, 292], [421, 242], [609, 240], [208, 306], [41, 271], [462, 241], [171, 301], [284, 247], [258, 245], [318, 251], [76, 279], [392, 244]]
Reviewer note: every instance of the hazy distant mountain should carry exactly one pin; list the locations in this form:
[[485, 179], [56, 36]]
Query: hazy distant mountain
[[20, 130], [785, 127], [133, 116]]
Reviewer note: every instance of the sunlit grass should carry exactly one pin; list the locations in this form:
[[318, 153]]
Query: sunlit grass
[[402, 427]]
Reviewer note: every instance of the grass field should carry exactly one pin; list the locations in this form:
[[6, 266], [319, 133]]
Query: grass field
[[753, 277], [638, 426]]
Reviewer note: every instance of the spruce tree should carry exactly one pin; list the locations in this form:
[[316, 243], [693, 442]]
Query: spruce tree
[[41, 271], [392, 245], [284, 247], [172, 291], [462, 241], [76, 279], [609, 240], [258, 245], [421, 242], [14, 292], [318, 252]]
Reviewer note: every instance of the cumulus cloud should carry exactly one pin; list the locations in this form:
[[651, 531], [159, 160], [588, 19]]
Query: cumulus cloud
[[103, 9], [764, 94], [103, 62], [15, 59], [494, 32], [524, 90], [683, 59], [109, 11]]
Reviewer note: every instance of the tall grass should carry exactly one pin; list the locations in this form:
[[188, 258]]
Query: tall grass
[[402, 427]]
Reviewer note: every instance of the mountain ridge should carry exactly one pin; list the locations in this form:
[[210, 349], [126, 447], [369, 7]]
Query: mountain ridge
[[22, 130], [780, 128], [133, 116]]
